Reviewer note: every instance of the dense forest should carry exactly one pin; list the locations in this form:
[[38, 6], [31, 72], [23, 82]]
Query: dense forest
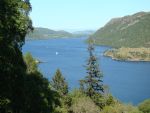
[[24, 89]]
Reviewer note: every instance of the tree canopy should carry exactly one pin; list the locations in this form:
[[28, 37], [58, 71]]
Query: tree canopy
[[59, 84], [23, 89], [92, 84]]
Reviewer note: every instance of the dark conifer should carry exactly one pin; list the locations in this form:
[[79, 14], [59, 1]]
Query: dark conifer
[[92, 84], [59, 84]]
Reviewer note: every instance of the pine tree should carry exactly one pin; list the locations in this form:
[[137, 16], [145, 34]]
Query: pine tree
[[59, 84], [92, 84]]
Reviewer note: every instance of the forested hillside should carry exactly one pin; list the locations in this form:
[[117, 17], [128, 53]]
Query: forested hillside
[[128, 31], [41, 33]]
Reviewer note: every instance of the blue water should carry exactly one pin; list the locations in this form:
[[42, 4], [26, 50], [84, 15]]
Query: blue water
[[128, 81]]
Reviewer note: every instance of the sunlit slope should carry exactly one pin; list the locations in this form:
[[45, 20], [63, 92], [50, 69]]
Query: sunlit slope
[[127, 31]]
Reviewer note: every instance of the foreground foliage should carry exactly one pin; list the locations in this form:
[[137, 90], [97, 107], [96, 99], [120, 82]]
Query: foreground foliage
[[39, 95], [82, 103], [120, 108], [59, 84], [145, 106], [92, 84], [30, 63], [14, 24], [23, 89]]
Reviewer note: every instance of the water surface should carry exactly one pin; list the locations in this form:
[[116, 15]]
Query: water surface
[[128, 81]]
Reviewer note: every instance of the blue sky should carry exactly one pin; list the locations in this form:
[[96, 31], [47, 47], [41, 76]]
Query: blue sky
[[82, 14]]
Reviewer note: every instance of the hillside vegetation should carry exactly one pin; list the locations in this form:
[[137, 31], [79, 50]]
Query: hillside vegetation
[[45, 33], [39, 33], [128, 31], [130, 54]]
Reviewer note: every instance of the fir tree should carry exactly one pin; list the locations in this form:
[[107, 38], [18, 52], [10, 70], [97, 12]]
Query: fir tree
[[59, 84], [92, 84]]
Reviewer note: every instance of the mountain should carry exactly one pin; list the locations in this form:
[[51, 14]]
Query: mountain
[[85, 32], [43, 33], [128, 31]]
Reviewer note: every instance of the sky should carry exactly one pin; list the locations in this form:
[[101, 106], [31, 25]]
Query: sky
[[75, 15]]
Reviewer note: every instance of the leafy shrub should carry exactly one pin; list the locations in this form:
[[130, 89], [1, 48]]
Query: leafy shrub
[[121, 108], [145, 106], [82, 103]]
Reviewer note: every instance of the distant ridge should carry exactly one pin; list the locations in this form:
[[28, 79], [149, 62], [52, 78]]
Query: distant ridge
[[41, 33], [45, 33], [128, 31]]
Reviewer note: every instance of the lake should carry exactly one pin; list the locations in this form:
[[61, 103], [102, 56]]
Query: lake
[[127, 81]]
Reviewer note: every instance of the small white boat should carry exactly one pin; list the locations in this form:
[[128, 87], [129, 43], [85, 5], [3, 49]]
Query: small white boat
[[56, 53], [37, 61]]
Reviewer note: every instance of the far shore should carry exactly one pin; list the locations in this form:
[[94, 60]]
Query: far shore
[[129, 54]]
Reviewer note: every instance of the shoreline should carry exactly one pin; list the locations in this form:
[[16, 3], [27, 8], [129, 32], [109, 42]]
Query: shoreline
[[129, 54], [126, 60]]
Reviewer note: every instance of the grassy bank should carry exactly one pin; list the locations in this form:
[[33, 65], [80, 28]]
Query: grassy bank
[[129, 54]]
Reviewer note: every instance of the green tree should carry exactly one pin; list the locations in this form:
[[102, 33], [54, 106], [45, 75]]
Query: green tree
[[145, 106], [121, 108], [39, 96], [92, 83], [81, 103], [23, 89], [59, 84], [30, 63], [85, 105], [14, 24]]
